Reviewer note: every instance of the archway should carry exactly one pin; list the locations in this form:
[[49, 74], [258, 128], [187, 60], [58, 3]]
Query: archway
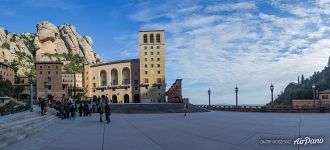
[[136, 98], [114, 77], [126, 98], [114, 98], [126, 76], [103, 78]]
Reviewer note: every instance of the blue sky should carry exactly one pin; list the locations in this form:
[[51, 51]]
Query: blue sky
[[214, 43]]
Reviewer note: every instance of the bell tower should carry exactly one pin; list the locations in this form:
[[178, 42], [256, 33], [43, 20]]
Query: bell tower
[[152, 66]]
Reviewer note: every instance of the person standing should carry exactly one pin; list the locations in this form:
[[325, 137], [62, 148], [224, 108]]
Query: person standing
[[107, 112], [185, 108], [80, 110], [72, 111], [100, 110], [43, 107]]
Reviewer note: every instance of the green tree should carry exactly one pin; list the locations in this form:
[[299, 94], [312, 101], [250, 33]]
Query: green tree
[[5, 87], [17, 91]]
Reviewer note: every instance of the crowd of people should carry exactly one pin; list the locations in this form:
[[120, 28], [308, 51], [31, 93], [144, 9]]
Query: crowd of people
[[67, 109]]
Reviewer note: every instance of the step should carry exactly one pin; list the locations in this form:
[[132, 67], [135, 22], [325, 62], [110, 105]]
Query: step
[[18, 134]]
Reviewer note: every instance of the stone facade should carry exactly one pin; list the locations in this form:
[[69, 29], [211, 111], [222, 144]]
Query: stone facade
[[7, 72], [68, 84], [50, 72], [131, 80], [174, 94], [152, 65], [118, 80]]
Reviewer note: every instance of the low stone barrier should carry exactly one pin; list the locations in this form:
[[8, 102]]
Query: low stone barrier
[[154, 108], [263, 109]]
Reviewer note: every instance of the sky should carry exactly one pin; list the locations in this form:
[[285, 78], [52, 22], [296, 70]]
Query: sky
[[214, 44]]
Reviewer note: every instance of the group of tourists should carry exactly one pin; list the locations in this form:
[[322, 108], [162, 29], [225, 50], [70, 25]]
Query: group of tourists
[[66, 109]]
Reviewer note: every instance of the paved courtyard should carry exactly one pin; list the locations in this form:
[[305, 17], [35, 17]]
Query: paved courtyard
[[197, 131]]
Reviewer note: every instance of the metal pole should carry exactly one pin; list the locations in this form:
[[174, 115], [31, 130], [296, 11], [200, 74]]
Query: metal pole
[[272, 96], [209, 92], [314, 97], [31, 95], [74, 86], [236, 99]]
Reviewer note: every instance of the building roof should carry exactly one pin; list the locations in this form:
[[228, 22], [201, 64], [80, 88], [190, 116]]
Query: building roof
[[302, 100], [2, 63], [48, 62], [150, 30], [115, 62], [325, 92]]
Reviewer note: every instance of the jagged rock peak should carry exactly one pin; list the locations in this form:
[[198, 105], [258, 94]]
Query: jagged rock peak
[[62, 39]]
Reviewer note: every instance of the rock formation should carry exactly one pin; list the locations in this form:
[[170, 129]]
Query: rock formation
[[26, 48], [63, 39]]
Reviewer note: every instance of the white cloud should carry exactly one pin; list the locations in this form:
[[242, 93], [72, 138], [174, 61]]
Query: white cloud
[[248, 48]]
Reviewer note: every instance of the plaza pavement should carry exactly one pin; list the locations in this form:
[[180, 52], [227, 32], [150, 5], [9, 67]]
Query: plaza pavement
[[172, 131]]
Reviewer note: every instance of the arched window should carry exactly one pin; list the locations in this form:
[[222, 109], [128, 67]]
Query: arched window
[[114, 77], [126, 76], [145, 38], [158, 38], [103, 78], [152, 38]]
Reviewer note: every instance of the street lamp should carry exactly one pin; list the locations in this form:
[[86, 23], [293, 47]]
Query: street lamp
[[209, 92], [313, 87], [236, 91], [271, 90], [31, 95], [46, 91]]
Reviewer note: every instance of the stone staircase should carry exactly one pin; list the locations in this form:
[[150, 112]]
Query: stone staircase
[[154, 108], [16, 128]]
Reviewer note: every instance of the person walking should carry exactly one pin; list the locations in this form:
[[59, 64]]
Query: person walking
[[85, 109], [185, 108], [107, 110]]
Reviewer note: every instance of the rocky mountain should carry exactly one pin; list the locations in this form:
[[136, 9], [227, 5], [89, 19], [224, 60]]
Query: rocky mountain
[[21, 50]]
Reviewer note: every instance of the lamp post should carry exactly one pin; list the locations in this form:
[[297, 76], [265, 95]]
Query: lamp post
[[313, 87], [209, 92], [31, 94], [272, 90], [46, 91], [236, 91]]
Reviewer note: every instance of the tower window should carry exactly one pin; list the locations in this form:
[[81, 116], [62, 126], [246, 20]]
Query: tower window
[[158, 38], [152, 53], [40, 67], [145, 72], [48, 72], [145, 59], [40, 72], [152, 65], [157, 47], [145, 53], [158, 72], [152, 59], [158, 59], [145, 38], [145, 66], [146, 80], [158, 53], [158, 65], [145, 47], [152, 38], [151, 47]]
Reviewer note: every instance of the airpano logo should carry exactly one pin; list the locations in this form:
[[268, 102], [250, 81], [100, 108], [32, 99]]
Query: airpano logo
[[307, 140]]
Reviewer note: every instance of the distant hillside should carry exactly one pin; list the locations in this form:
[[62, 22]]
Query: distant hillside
[[303, 89]]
